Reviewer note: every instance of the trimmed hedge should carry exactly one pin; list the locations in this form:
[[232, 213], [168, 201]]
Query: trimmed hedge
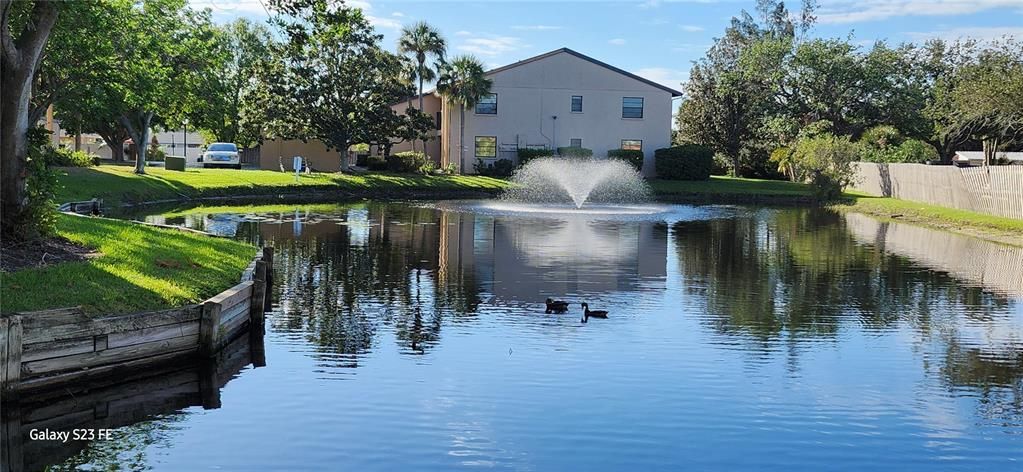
[[685, 162], [527, 154], [500, 168], [575, 151], [376, 163], [407, 162], [631, 156]]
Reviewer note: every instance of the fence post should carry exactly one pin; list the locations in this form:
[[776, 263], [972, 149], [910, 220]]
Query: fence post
[[10, 356], [257, 301], [268, 257], [209, 329]]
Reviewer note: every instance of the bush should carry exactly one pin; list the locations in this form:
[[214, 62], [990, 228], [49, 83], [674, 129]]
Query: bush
[[826, 161], [64, 157], [881, 137], [575, 151], [685, 162], [407, 162], [631, 156], [155, 155], [915, 151], [527, 154], [722, 164], [501, 168], [376, 163]]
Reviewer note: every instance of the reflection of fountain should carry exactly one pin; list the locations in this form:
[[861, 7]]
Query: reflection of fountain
[[560, 180]]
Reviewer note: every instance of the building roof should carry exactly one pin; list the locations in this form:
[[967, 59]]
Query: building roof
[[673, 92], [979, 155]]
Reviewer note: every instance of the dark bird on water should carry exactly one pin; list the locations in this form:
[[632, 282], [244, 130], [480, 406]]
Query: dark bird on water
[[587, 313], [556, 306]]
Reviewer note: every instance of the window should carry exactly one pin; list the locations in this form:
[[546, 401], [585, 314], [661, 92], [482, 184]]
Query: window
[[487, 105], [486, 146], [436, 121], [632, 107], [632, 144], [577, 103], [576, 142]]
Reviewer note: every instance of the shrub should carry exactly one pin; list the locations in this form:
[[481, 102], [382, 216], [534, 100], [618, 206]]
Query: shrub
[[575, 151], [501, 168], [64, 157], [527, 154], [685, 162], [631, 156], [722, 164], [406, 162], [826, 162], [914, 151], [881, 137], [376, 163], [156, 155]]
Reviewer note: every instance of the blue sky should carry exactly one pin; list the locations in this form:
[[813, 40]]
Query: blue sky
[[655, 39]]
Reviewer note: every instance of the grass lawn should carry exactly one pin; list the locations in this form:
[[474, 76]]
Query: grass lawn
[[118, 184], [986, 226], [138, 268], [721, 185]]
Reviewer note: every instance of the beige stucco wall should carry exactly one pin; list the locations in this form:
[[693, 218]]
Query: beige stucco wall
[[431, 105], [274, 151], [530, 94]]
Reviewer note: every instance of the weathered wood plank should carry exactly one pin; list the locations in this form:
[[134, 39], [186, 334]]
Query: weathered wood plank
[[11, 440], [11, 330], [31, 320], [58, 348], [109, 356], [233, 295], [156, 333], [228, 315], [209, 329], [229, 332], [259, 303], [114, 324], [33, 384]]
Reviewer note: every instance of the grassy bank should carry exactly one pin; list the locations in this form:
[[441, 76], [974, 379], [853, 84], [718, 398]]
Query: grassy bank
[[118, 185], [734, 188], [1005, 230], [136, 267]]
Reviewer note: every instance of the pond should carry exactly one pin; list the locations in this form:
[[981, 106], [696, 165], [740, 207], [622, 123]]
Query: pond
[[413, 335]]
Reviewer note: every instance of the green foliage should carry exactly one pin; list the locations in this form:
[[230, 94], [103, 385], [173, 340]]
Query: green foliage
[[40, 213], [409, 162], [632, 156], [881, 137], [686, 162], [527, 154], [156, 154], [64, 157], [915, 151], [500, 168], [575, 151], [825, 161], [376, 163]]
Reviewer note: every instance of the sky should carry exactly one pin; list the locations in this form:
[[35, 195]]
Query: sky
[[656, 39]]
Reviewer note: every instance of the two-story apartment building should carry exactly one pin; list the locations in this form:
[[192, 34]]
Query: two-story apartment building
[[557, 99]]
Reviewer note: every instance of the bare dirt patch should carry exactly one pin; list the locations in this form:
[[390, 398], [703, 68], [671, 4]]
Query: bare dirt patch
[[41, 253]]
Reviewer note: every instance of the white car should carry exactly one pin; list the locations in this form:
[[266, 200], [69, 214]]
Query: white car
[[221, 155]]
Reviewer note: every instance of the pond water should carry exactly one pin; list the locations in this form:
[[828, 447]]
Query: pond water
[[413, 335]]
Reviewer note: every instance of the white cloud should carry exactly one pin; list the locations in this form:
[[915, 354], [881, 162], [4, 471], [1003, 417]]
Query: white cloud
[[489, 45], [229, 7], [383, 22], [616, 42], [691, 28], [398, 14], [979, 33], [536, 27], [672, 78], [850, 11], [463, 33]]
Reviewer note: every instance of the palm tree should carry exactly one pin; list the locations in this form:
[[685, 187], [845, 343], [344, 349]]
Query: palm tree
[[464, 82], [421, 40]]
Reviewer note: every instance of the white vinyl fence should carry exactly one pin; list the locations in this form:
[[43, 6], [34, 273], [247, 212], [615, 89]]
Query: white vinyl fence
[[995, 190]]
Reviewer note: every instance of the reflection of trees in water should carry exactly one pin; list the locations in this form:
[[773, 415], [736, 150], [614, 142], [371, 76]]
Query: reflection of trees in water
[[339, 290], [787, 275], [126, 449]]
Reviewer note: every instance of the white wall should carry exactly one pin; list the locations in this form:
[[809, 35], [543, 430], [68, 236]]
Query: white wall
[[172, 143], [530, 94]]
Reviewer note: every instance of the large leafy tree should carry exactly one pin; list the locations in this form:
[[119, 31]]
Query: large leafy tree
[[330, 79], [464, 82], [24, 29], [422, 41], [986, 101]]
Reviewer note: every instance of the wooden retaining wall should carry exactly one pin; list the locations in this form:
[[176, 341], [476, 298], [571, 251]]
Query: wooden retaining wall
[[43, 349], [995, 190]]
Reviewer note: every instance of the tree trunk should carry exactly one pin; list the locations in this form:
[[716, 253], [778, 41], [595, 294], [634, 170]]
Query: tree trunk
[[114, 137], [343, 152], [990, 146], [420, 102], [20, 60], [461, 139], [735, 165], [140, 136]]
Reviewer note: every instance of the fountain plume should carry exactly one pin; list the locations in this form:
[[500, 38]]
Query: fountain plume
[[577, 181]]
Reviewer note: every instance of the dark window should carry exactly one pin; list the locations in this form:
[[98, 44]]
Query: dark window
[[486, 146], [577, 142], [577, 103], [437, 120], [632, 107], [632, 144], [487, 105]]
